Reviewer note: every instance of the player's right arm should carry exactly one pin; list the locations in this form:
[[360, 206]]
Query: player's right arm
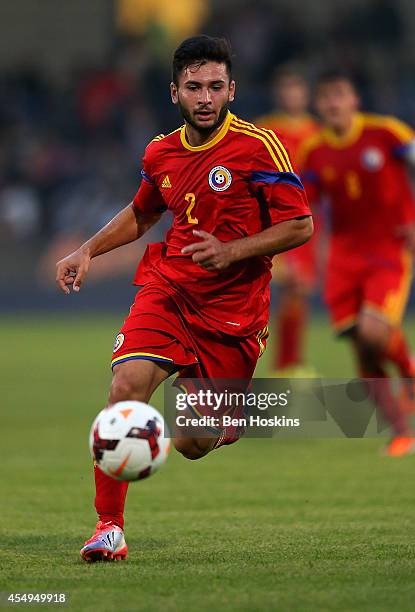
[[128, 225]]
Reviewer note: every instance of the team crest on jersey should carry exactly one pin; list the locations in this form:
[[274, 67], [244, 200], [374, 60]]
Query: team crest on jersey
[[373, 159], [220, 178], [119, 341]]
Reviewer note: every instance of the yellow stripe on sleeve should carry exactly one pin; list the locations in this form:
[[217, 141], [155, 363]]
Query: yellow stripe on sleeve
[[272, 137], [403, 132], [266, 143]]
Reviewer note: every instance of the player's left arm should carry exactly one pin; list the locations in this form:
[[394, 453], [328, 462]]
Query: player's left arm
[[283, 198], [212, 254]]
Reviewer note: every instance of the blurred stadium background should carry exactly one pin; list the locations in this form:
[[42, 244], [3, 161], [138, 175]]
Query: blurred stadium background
[[84, 86], [289, 525]]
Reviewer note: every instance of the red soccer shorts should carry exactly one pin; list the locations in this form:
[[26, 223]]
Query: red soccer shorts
[[380, 286], [158, 330]]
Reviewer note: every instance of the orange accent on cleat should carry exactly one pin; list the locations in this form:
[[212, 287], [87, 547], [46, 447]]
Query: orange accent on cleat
[[400, 446]]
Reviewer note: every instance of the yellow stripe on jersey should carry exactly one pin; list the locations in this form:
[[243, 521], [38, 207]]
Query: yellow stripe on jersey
[[161, 136], [277, 162], [272, 137], [401, 130], [268, 146]]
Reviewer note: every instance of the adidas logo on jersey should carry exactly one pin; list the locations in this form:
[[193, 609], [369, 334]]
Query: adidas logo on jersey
[[166, 183]]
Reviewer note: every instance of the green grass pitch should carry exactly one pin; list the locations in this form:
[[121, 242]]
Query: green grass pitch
[[285, 525]]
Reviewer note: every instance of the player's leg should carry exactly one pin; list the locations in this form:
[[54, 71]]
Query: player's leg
[[295, 273], [227, 363], [132, 380], [370, 338], [144, 355], [386, 297], [290, 325], [351, 295], [137, 379], [194, 447], [398, 353]]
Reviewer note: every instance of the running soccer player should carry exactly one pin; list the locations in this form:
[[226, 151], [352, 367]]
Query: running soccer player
[[203, 308], [295, 271], [359, 162]]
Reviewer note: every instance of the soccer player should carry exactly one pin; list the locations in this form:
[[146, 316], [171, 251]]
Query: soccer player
[[203, 307], [359, 162], [295, 271]]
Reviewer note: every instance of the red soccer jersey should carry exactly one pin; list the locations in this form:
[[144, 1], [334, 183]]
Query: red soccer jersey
[[366, 181], [236, 185]]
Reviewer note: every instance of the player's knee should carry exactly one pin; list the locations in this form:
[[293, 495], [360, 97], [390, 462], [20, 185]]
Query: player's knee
[[193, 448], [123, 388], [373, 336]]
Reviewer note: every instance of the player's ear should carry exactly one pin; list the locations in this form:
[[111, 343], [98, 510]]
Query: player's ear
[[232, 91], [174, 93]]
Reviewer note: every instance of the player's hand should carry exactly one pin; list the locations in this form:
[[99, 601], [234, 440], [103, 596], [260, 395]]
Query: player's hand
[[71, 270], [211, 254]]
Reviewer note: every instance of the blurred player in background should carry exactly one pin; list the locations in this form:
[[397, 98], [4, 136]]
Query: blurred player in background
[[359, 162], [203, 308], [295, 271]]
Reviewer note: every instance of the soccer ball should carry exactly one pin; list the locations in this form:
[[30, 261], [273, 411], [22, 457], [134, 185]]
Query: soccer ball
[[129, 440]]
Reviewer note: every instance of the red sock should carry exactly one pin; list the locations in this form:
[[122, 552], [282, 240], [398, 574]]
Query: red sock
[[290, 326], [109, 498], [389, 407], [397, 351]]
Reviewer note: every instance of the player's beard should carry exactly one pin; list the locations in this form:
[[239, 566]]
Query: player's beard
[[205, 131]]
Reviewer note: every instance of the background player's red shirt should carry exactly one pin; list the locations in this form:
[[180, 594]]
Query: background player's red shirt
[[366, 180], [302, 263], [236, 185], [295, 130]]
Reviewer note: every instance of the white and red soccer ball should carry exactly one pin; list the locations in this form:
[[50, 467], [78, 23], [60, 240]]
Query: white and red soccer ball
[[129, 440]]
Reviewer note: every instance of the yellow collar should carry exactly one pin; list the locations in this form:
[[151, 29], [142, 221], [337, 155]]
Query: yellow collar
[[210, 143], [340, 142]]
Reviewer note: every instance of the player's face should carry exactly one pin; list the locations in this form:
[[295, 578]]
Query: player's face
[[291, 94], [203, 95], [336, 102]]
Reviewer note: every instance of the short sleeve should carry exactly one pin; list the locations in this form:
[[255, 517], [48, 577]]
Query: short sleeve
[[274, 173], [148, 198], [272, 163], [400, 136]]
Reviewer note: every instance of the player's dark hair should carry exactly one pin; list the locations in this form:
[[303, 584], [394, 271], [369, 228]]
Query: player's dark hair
[[199, 50], [333, 75]]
